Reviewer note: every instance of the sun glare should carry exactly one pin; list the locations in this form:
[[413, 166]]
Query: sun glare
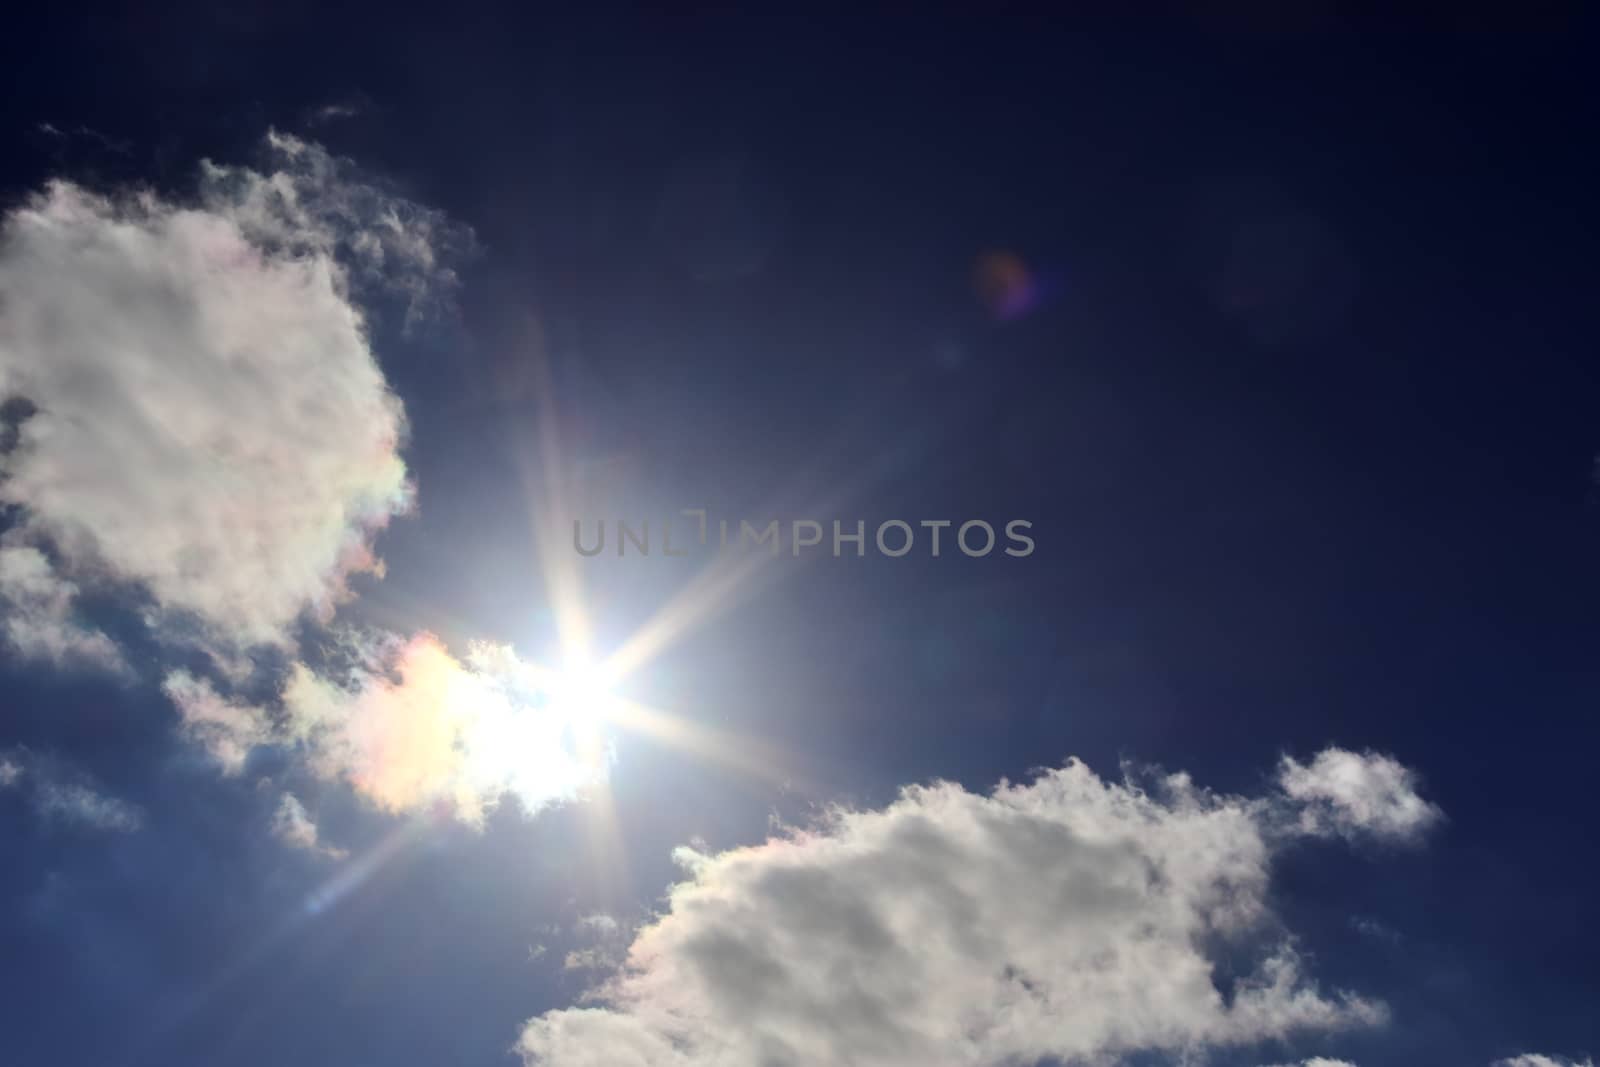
[[581, 690], [580, 698]]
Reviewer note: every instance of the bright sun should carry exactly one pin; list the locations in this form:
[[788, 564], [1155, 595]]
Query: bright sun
[[581, 690], [581, 698], [545, 735]]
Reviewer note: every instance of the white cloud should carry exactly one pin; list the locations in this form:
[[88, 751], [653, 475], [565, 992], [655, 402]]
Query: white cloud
[[1067, 918], [1367, 926], [594, 958], [1319, 1061], [607, 950], [76, 803], [293, 825], [1347, 792], [600, 924], [193, 406], [225, 729], [337, 111], [39, 617], [412, 727], [210, 421], [60, 795], [1535, 1059]]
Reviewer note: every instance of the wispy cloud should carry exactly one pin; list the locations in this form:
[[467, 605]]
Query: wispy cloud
[[605, 948], [226, 729], [40, 615], [80, 131], [293, 825], [1346, 792], [59, 794], [340, 110], [75, 803]]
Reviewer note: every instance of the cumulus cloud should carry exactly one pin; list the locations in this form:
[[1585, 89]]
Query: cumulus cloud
[[1070, 917], [60, 795], [293, 825], [192, 406], [206, 415], [226, 729], [1318, 1061], [40, 621], [1344, 792]]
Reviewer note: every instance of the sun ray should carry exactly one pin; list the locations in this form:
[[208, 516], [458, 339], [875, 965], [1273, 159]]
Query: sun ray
[[733, 578]]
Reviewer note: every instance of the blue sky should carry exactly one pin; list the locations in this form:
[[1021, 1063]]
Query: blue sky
[[320, 742]]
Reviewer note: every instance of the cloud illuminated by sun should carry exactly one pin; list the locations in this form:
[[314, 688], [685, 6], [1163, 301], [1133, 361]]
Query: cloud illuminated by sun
[[417, 728], [554, 732]]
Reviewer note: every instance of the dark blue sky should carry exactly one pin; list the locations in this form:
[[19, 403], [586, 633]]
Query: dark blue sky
[[1303, 406]]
